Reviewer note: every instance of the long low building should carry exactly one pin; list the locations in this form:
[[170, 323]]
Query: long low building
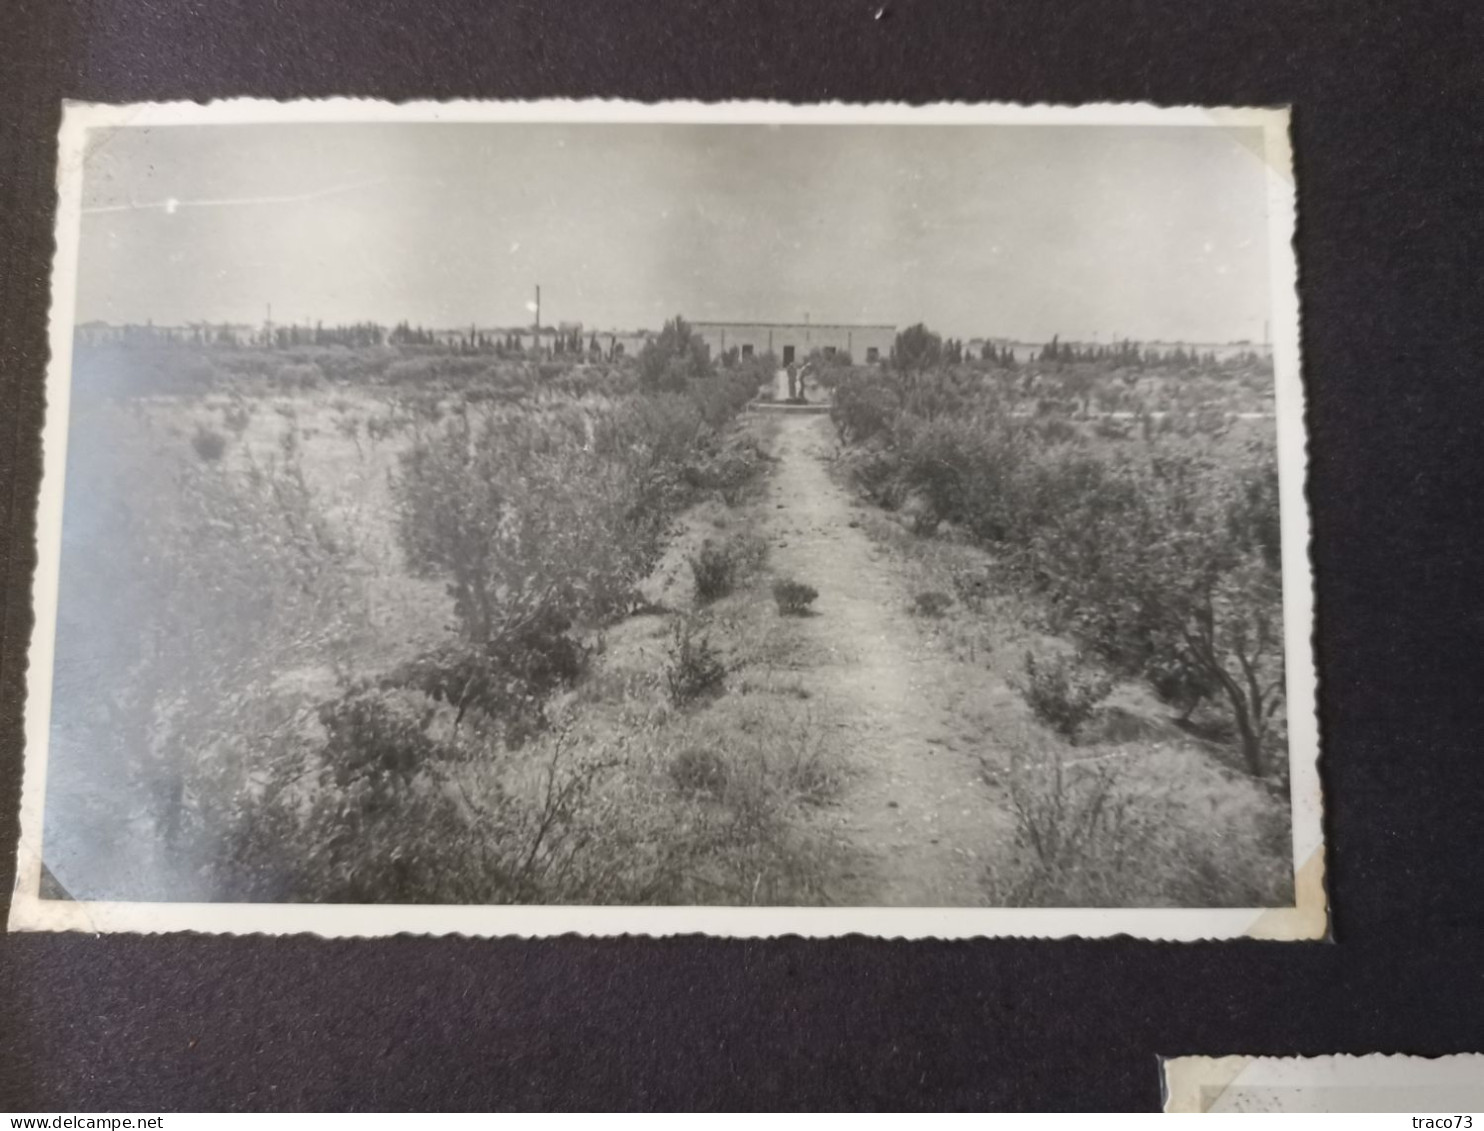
[[795, 341]]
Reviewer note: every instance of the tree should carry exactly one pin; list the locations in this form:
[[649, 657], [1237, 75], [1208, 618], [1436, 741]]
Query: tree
[[676, 355], [917, 349], [1078, 385], [1172, 572]]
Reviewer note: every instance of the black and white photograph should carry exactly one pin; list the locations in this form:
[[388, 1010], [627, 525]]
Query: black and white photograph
[[522, 518], [1374, 1082]]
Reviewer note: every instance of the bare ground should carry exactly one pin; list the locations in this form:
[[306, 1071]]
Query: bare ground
[[916, 808], [886, 739]]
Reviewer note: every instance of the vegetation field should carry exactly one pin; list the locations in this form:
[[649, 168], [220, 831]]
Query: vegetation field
[[366, 622], [1104, 528]]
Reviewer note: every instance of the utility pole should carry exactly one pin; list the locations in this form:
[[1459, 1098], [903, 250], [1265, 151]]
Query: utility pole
[[538, 319]]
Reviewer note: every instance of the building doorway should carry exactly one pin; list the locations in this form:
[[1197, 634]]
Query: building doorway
[[788, 355]]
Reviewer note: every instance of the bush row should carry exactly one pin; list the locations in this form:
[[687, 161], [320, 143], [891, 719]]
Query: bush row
[[437, 778], [176, 371], [541, 525], [1162, 557]]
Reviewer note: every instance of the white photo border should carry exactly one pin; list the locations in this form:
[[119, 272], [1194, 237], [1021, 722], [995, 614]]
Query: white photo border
[[1307, 919], [1199, 1084]]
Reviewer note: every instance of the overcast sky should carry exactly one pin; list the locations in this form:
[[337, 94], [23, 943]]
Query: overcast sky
[[1023, 231]]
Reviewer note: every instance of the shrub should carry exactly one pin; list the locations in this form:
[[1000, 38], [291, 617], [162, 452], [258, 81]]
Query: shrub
[[793, 597], [728, 471], [426, 820], [380, 427], [650, 431], [673, 358], [371, 736], [955, 393], [306, 376], [506, 678], [202, 653], [237, 417], [448, 369], [408, 371], [208, 443], [720, 566], [802, 762], [931, 604], [1161, 557], [714, 570], [516, 515], [1180, 683], [1170, 567], [694, 668], [1057, 430], [876, 471], [972, 587], [720, 396], [204, 585], [917, 348], [1063, 691], [1114, 834], [865, 405], [699, 769], [1108, 429], [1062, 812], [965, 468], [349, 426], [1080, 840]]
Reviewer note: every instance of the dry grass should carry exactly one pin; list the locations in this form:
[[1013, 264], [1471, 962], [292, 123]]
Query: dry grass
[[602, 808], [1137, 813], [1132, 826], [716, 800], [719, 798]]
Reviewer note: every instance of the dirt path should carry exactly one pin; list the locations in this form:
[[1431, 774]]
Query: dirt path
[[916, 808]]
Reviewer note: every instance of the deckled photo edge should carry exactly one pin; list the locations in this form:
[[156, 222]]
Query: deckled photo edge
[[1197, 1084], [1190, 1084], [1311, 914], [598, 111], [71, 140], [1303, 921]]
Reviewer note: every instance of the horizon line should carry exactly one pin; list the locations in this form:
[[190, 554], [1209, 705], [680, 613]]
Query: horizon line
[[527, 328]]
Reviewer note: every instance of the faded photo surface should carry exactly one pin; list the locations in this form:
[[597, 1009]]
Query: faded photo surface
[[681, 512], [1423, 1086]]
